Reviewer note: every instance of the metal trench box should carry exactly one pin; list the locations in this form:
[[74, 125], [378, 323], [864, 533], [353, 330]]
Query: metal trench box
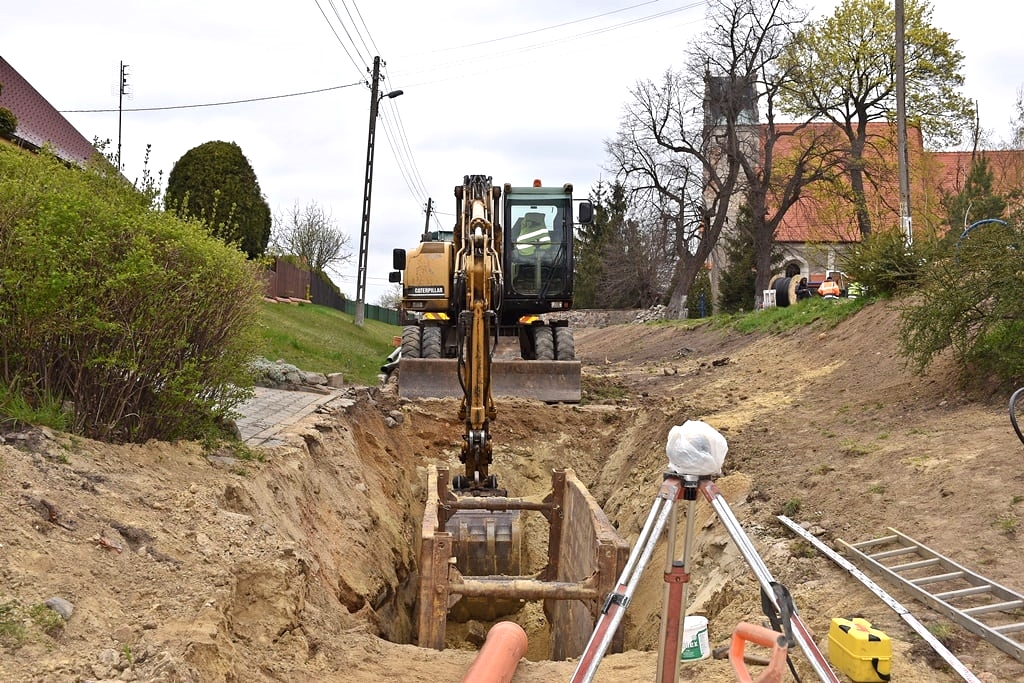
[[585, 558]]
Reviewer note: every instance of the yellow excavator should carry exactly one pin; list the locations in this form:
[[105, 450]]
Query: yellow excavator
[[511, 253], [466, 295]]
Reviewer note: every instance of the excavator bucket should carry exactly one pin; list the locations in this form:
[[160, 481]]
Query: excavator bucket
[[486, 543], [550, 381]]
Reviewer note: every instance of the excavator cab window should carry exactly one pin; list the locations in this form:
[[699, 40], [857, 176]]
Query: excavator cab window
[[539, 253]]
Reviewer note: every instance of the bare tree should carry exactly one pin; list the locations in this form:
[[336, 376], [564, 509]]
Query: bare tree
[[638, 259], [694, 142], [665, 155], [392, 297], [309, 233], [788, 157]]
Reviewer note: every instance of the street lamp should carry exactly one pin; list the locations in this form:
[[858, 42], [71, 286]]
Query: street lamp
[[364, 233]]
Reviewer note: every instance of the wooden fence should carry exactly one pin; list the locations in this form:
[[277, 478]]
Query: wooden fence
[[288, 281]]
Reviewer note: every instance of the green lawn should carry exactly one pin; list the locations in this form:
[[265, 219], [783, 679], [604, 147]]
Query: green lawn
[[321, 339]]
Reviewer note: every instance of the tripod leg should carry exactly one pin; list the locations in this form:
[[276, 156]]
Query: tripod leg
[[615, 606], [673, 617]]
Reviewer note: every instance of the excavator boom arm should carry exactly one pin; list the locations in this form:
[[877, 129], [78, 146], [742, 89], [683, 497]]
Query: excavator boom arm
[[478, 266]]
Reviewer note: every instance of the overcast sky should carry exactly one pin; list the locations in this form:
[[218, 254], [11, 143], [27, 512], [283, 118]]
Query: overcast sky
[[514, 90]]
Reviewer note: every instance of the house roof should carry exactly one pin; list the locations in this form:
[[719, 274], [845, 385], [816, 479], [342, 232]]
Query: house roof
[[38, 122], [816, 218]]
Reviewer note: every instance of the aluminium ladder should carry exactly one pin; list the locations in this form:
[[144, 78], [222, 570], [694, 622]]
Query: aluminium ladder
[[983, 607]]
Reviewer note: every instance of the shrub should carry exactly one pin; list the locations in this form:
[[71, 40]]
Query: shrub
[[8, 123], [141, 321], [970, 303], [883, 264], [216, 183]]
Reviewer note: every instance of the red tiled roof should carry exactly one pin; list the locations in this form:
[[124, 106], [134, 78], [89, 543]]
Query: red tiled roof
[[38, 122], [816, 218]]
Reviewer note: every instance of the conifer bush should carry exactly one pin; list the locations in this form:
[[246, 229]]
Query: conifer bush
[[969, 302], [139, 323]]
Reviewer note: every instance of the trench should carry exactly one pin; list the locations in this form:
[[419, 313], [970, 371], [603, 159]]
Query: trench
[[607, 446]]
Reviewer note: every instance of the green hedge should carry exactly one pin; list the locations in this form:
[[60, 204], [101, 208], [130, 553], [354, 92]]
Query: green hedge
[[138, 323]]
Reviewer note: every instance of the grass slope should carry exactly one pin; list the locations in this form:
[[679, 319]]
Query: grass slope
[[322, 339]]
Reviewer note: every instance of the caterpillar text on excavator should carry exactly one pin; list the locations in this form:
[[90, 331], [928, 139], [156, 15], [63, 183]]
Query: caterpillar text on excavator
[[474, 327]]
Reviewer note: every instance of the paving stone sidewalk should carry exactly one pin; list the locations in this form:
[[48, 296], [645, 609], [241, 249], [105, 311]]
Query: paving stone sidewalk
[[271, 411]]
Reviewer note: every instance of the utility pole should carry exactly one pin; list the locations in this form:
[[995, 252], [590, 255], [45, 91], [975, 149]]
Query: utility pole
[[122, 90], [364, 232], [426, 226], [901, 130]]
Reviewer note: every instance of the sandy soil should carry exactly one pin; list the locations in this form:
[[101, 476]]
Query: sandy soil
[[185, 565]]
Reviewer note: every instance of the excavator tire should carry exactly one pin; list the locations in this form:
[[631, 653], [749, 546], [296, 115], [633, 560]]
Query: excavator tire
[[411, 341], [543, 343], [565, 344], [431, 343]]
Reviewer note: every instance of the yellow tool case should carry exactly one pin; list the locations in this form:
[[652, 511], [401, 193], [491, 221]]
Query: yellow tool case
[[861, 652]]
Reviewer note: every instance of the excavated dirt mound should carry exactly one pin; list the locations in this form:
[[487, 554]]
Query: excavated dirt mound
[[184, 565]]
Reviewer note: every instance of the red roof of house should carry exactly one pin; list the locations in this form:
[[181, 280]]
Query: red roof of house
[[38, 122], [818, 218]]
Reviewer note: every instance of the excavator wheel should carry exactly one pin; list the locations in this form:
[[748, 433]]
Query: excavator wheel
[[411, 341], [565, 344], [431, 344], [543, 343]]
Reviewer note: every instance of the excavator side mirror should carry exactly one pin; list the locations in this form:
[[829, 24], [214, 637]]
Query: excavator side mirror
[[398, 260], [395, 276], [586, 213]]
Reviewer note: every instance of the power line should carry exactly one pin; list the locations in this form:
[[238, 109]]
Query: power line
[[541, 45], [340, 41], [355, 27], [359, 14], [545, 28], [341, 22], [212, 104]]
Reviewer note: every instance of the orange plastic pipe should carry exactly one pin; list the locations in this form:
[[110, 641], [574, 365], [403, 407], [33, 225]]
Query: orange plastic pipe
[[765, 637], [497, 660]]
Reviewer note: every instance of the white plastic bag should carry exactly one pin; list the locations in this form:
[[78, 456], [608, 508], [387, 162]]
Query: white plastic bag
[[697, 448]]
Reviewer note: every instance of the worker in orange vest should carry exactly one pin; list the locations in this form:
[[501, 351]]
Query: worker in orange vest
[[829, 288]]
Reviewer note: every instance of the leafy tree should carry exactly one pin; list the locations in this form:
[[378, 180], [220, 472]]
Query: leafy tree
[[140, 321], [845, 71], [310, 234], [215, 183], [737, 290], [970, 303], [737, 281], [698, 303]]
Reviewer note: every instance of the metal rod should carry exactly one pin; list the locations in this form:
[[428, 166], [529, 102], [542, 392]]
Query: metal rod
[[905, 614], [602, 636], [764, 577]]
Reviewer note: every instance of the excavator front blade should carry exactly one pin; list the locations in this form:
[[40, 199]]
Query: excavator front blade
[[549, 381]]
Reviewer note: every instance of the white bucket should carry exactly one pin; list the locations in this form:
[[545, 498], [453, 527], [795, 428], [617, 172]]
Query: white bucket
[[695, 639]]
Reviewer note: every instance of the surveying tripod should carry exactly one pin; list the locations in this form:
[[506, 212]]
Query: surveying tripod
[[677, 575]]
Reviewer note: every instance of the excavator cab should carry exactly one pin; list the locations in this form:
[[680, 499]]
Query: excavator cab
[[539, 260]]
